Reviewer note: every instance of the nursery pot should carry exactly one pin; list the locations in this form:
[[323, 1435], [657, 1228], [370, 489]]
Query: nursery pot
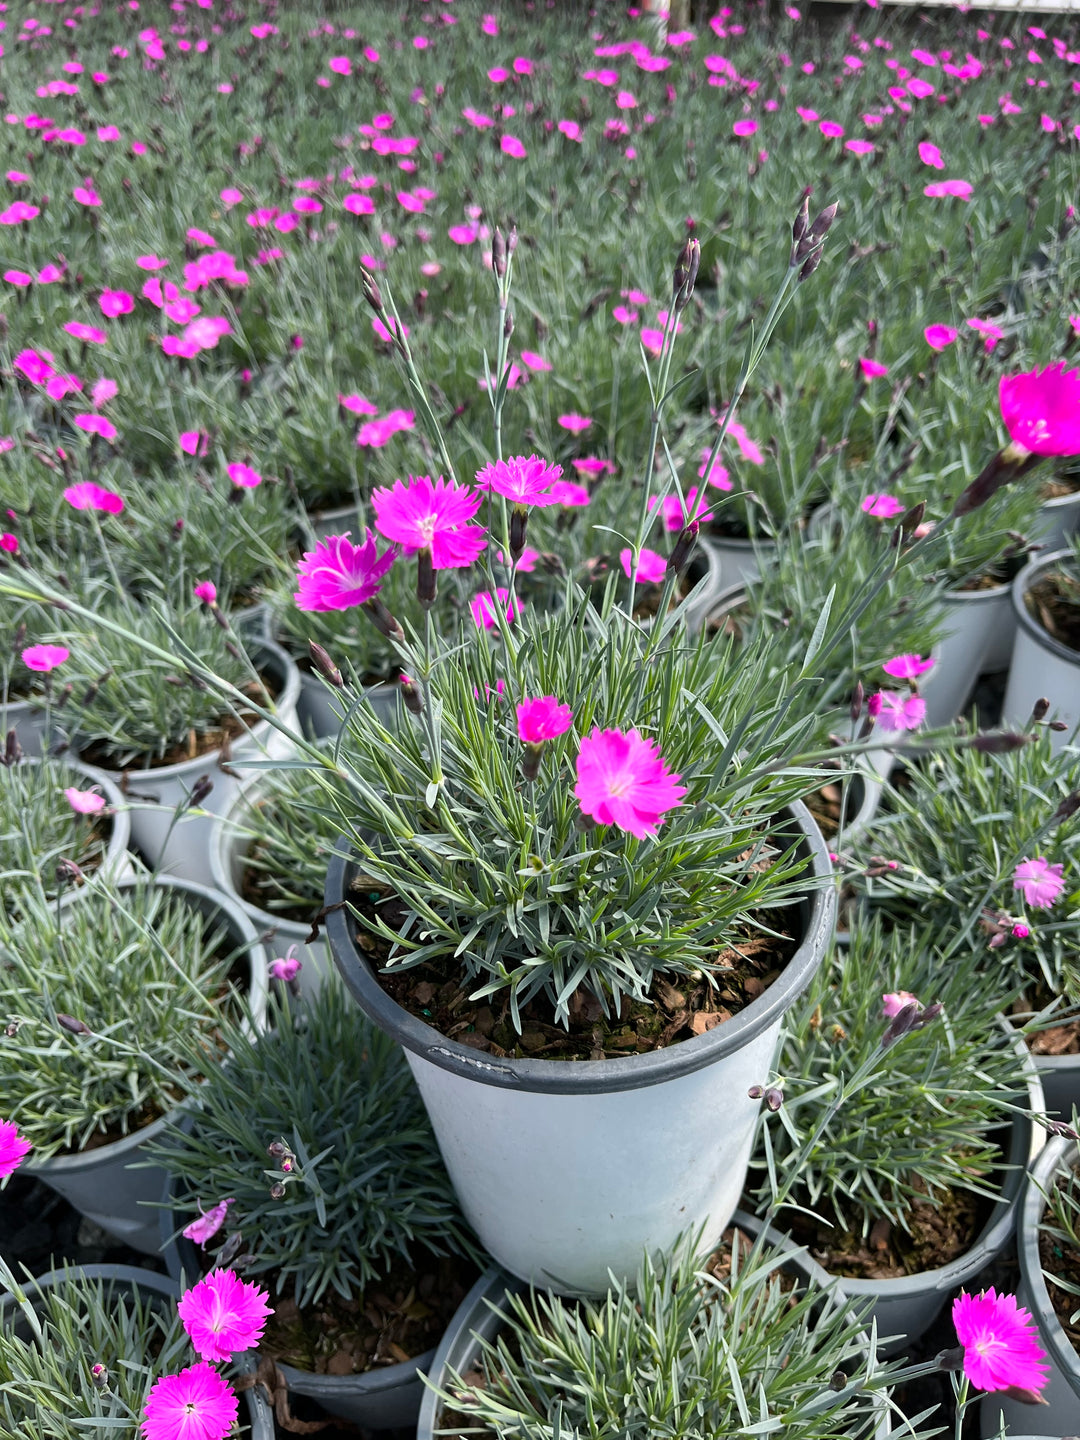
[[482, 1312], [977, 637], [155, 793], [386, 1398], [906, 1307], [1061, 1414], [116, 863], [98, 1182], [231, 839], [740, 560], [1042, 666], [321, 710], [704, 572], [28, 719], [127, 1280], [1056, 522], [567, 1170]]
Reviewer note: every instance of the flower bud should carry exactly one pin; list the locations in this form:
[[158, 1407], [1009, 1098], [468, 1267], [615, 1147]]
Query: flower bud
[[426, 584], [1058, 726], [810, 265], [99, 1375], [73, 1026], [1026, 1396], [372, 294], [1001, 744], [685, 275], [410, 694], [913, 517], [756, 1092], [951, 1359], [774, 1098], [1058, 1127], [873, 706], [683, 549], [229, 1251], [508, 324], [67, 872], [900, 1024], [200, 790], [12, 749], [1068, 807], [519, 521], [277, 1190], [320, 658], [857, 701], [382, 619], [530, 760], [1039, 709], [276, 1149], [498, 253], [799, 227]]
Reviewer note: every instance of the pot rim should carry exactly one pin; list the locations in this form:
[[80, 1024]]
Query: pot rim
[[290, 693], [1053, 1159], [224, 839], [245, 934], [1024, 619], [593, 1077]]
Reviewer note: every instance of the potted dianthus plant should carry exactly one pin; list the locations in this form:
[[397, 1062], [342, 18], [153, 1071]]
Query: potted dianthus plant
[[983, 845], [107, 1002], [312, 1142], [899, 1127], [1046, 656]]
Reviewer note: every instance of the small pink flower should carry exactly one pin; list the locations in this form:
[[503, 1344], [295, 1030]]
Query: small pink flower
[[34, 365], [1040, 881], [623, 780], [511, 145], [1020, 931], [44, 657], [1000, 1342], [197, 1404], [484, 612], [86, 195], [534, 361], [377, 433], [116, 302], [570, 494], [243, 475], [895, 1001], [574, 423], [50, 275], [882, 507], [900, 712], [907, 667], [958, 189], [744, 127], [96, 425], [18, 278], [424, 515], [86, 332], [831, 129], [357, 404], [992, 333], [651, 567], [286, 967], [337, 574], [206, 591], [1041, 410], [103, 391], [88, 496], [931, 155], [542, 719], [194, 442], [860, 147], [9, 543], [525, 481], [13, 1148], [872, 369], [939, 336], [675, 517], [223, 1314], [208, 1222]]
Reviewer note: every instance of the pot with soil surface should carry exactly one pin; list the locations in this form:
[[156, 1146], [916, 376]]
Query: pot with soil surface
[[360, 1241], [1046, 655], [977, 637], [1049, 1252]]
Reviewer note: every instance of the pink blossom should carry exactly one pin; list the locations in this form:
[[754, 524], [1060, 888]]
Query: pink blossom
[[718, 474], [386, 332], [223, 1314], [574, 423], [623, 780], [88, 496], [86, 195], [205, 332], [907, 667], [1040, 881], [13, 1148], [463, 234], [860, 147], [194, 442], [882, 507], [337, 574], [96, 425], [86, 332], [359, 204], [543, 718], [484, 611], [832, 129], [993, 333], [569, 494], [57, 386], [652, 339], [511, 145], [208, 1222], [84, 802], [376, 433], [34, 365], [19, 213], [116, 302], [938, 337], [525, 481], [1041, 410], [651, 566], [206, 591], [424, 515], [18, 277], [744, 127], [920, 89], [286, 967], [900, 712], [931, 155], [872, 369], [1000, 1341], [243, 475], [534, 361], [593, 465], [961, 189], [103, 391], [9, 543], [197, 1404], [675, 517], [357, 404], [895, 1001], [749, 449], [50, 274], [571, 129], [44, 658]]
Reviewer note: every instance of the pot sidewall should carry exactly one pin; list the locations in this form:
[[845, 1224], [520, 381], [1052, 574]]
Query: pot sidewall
[[1041, 666], [977, 630], [567, 1171]]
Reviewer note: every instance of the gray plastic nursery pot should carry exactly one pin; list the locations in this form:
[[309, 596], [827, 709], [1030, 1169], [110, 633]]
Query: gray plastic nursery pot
[[98, 1182], [482, 1312], [1042, 666], [739, 560], [978, 637], [384, 1399], [183, 849], [27, 719], [231, 839], [905, 1307], [569, 1170], [1060, 1077], [322, 710], [126, 1279], [1056, 522], [1061, 1414]]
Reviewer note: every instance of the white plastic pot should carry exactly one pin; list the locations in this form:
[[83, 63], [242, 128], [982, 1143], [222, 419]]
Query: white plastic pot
[[154, 794], [1060, 1416], [740, 560], [116, 864], [1060, 1077], [1056, 522], [1041, 665], [569, 1170], [232, 836], [977, 636], [98, 1182], [28, 719], [481, 1316]]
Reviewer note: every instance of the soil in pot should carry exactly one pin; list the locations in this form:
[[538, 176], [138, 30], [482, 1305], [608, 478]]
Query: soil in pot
[[1054, 601], [1063, 1039], [830, 807], [433, 993]]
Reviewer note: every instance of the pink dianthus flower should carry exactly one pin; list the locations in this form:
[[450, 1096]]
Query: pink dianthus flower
[[524, 480], [542, 719], [337, 574], [208, 1222], [651, 566], [421, 514], [13, 1148], [223, 1314], [623, 780], [484, 612], [44, 658], [882, 507], [88, 496], [1040, 881], [1000, 1342], [1041, 410], [197, 1404]]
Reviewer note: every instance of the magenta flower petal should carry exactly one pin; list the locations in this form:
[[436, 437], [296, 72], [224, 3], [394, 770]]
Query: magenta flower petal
[[525, 481], [423, 514], [88, 496], [938, 337], [13, 1148], [623, 780], [484, 611], [893, 1002], [206, 1225], [44, 657], [900, 712], [882, 507], [651, 566], [84, 802], [542, 719], [907, 667], [1000, 1342], [1041, 882], [223, 1314], [1041, 409], [197, 1404], [337, 574]]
